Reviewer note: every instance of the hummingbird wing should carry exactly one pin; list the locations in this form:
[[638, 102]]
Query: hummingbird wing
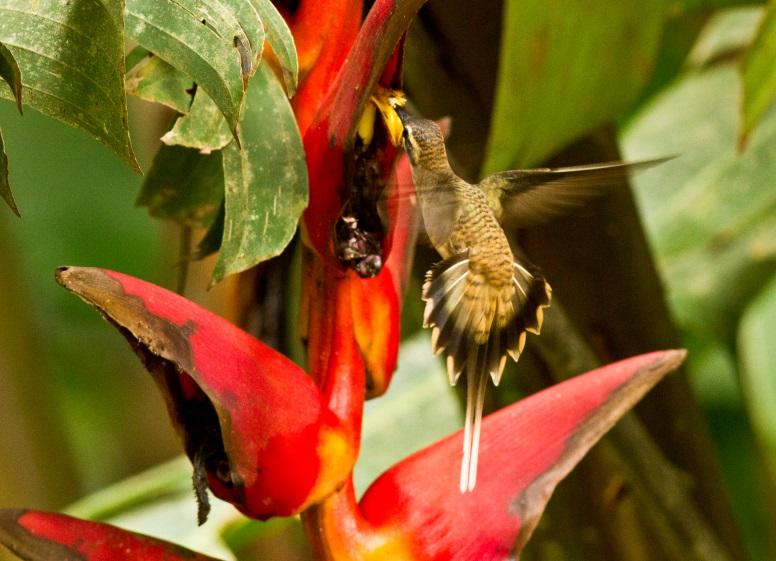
[[532, 196], [441, 211]]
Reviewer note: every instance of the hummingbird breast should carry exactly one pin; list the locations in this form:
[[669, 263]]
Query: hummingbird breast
[[490, 288]]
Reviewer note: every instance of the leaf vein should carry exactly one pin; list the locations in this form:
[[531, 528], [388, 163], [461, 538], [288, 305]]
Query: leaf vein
[[107, 94]]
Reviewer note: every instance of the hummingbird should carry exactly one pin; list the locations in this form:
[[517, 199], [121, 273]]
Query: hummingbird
[[482, 300]]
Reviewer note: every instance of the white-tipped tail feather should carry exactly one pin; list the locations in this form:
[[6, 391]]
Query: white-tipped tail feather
[[477, 325]]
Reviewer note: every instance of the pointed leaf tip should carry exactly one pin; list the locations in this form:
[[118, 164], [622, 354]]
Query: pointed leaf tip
[[5, 186], [9, 71], [282, 42]]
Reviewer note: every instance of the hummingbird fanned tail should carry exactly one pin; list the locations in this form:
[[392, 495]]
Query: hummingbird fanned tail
[[476, 324]]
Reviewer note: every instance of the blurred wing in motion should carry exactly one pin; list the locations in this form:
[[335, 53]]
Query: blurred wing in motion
[[532, 196]]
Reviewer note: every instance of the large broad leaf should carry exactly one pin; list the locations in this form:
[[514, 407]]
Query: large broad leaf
[[759, 74], [266, 181], [202, 38], [72, 57], [758, 370], [184, 185], [45, 536], [567, 67], [710, 218], [727, 32], [710, 212]]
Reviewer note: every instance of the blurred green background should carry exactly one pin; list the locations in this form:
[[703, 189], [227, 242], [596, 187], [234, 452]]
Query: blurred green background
[[77, 411]]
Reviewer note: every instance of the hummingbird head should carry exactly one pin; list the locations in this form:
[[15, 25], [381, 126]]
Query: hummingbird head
[[423, 141]]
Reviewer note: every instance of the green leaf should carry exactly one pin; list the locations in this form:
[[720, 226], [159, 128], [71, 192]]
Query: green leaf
[[72, 56], [154, 80], [710, 213], [758, 369], [203, 128], [266, 181], [567, 67], [5, 187], [759, 74], [198, 37], [725, 34], [171, 478], [9, 71], [282, 42], [183, 185]]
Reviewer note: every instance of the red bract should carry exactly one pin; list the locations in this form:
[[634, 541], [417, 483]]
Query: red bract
[[324, 33], [330, 145], [272, 445], [44, 536], [330, 140], [414, 510]]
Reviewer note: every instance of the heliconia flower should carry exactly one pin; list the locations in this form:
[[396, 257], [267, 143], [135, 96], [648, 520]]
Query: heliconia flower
[[373, 65], [254, 424], [414, 510], [375, 59], [45, 536]]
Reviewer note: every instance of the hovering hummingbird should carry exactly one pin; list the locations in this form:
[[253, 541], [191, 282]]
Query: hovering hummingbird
[[480, 299]]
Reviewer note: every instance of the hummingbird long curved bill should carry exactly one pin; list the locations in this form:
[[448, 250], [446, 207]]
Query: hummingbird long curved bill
[[480, 299]]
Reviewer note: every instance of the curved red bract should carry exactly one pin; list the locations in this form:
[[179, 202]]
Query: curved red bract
[[329, 145], [324, 33], [415, 508], [38, 535], [282, 441]]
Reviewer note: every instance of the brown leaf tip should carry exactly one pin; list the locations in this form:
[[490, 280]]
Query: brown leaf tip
[[671, 360], [24, 544]]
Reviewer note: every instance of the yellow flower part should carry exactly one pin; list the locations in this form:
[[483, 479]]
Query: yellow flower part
[[366, 125], [385, 101]]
